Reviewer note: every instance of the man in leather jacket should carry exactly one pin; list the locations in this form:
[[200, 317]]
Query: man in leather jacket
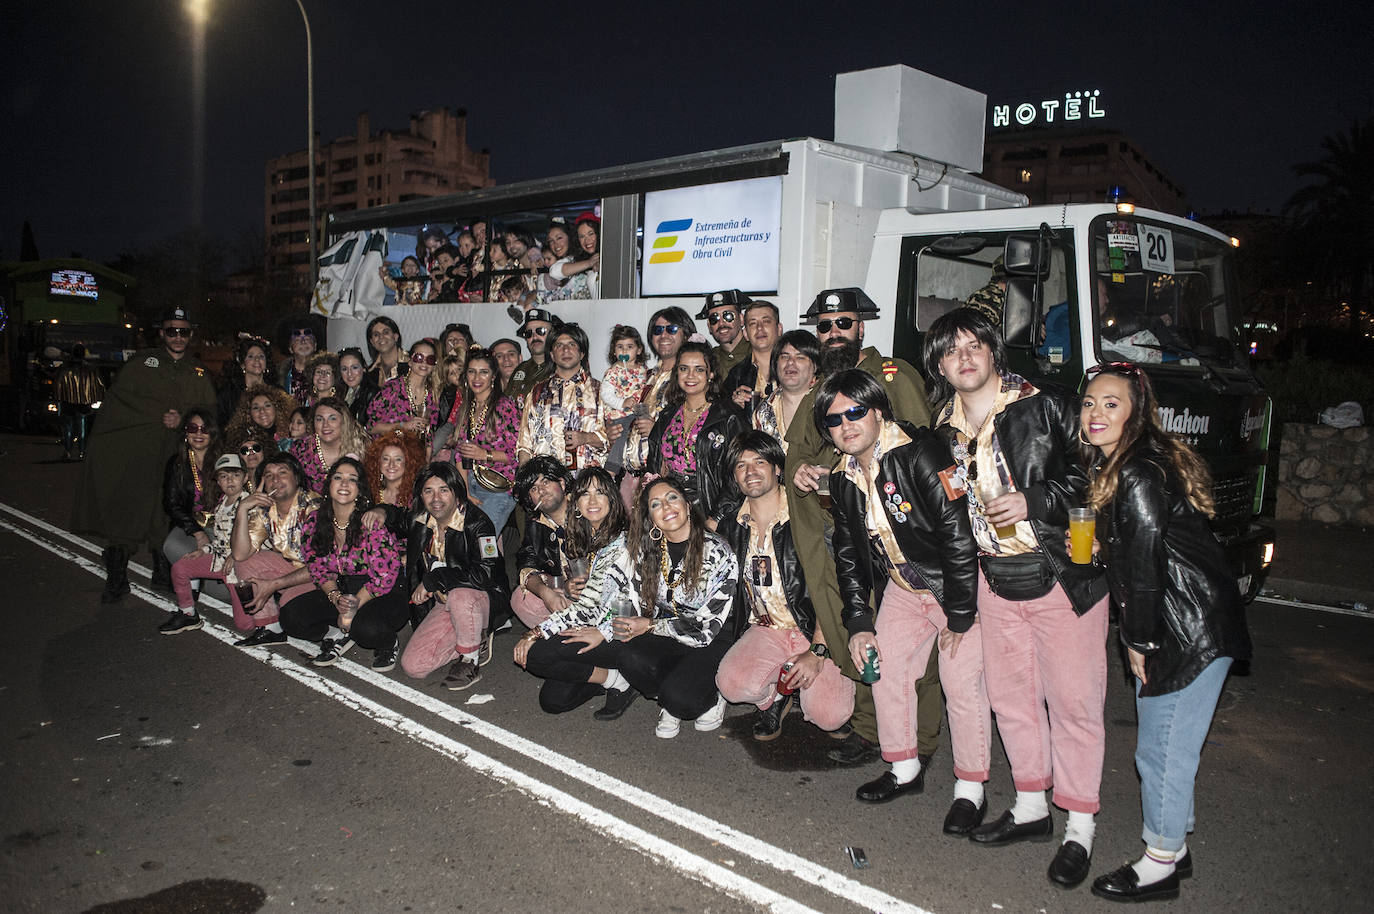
[[541, 488], [839, 315], [903, 544], [1044, 619], [782, 645]]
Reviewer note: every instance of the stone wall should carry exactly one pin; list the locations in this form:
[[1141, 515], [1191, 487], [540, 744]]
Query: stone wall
[[1326, 474]]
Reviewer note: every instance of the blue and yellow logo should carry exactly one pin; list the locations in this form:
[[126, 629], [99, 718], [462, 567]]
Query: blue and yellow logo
[[666, 238]]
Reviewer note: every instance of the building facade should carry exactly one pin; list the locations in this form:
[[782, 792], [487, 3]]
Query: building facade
[[429, 159], [1057, 165]]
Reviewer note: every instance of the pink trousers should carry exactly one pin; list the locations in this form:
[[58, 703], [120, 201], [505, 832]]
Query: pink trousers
[[908, 628], [197, 567], [265, 565], [528, 608], [749, 674], [454, 626], [1047, 680]]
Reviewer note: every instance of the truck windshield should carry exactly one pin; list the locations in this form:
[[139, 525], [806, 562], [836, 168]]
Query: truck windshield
[[1161, 294]]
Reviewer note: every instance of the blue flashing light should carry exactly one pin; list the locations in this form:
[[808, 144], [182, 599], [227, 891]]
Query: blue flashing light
[[1116, 193]]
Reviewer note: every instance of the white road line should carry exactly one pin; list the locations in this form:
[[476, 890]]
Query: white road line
[[830, 881], [1323, 607]]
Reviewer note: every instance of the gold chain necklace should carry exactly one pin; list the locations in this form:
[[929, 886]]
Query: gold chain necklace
[[319, 453], [669, 581], [477, 422], [416, 409], [195, 472]]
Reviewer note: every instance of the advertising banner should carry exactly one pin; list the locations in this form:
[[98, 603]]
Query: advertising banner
[[715, 236]]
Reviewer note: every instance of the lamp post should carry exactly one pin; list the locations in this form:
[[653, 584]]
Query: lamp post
[[310, 144]]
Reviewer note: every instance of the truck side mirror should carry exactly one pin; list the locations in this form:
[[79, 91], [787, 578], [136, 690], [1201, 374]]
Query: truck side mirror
[[1020, 315], [1027, 255]]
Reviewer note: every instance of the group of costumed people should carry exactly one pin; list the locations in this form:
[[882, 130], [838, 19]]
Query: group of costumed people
[[784, 519]]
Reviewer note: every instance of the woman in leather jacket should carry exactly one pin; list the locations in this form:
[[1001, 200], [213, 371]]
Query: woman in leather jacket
[[457, 584], [187, 482], [1182, 615], [694, 430]]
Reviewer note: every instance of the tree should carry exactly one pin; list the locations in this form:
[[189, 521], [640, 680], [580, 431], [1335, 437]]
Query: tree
[[1332, 219]]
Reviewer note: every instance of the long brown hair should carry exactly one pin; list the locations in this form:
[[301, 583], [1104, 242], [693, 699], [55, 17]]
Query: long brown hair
[[1142, 433], [582, 539], [649, 551]]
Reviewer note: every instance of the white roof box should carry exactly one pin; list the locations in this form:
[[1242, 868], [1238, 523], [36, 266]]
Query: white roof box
[[900, 109]]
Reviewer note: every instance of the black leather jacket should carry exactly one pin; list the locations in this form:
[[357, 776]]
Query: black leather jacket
[[1178, 598], [179, 494], [713, 488], [789, 566], [540, 547], [935, 537], [464, 565], [1039, 438]]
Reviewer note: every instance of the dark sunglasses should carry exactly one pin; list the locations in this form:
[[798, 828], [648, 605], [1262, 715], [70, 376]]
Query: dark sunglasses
[[250, 449], [196, 428], [717, 316], [853, 414], [300, 333], [424, 359], [844, 323], [527, 332], [660, 329], [176, 331]]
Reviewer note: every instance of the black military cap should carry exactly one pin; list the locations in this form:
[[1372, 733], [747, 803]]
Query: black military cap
[[839, 301], [728, 297], [175, 314], [541, 314]]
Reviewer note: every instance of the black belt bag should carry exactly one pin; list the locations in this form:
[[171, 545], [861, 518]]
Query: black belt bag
[[1018, 577]]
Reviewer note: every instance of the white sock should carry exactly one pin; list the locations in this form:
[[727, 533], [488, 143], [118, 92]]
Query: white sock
[[615, 682], [1154, 866], [273, 626], [906, 770], [1081, 828], [969, 790], [1030, 806], [335, 633], [471, 656]]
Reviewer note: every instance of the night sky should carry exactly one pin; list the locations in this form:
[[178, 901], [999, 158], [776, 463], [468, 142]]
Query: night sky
[[1225, 97]]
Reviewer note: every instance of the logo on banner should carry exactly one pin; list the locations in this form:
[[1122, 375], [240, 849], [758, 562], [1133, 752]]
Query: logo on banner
[[666, 238]]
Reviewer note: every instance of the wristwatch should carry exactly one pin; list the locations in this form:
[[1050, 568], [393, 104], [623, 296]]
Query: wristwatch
[[821, 651]]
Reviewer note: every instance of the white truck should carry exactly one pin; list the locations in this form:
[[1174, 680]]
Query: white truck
[[892, 206]]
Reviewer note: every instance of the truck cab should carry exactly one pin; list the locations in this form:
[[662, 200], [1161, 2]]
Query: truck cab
[[1084, 284]]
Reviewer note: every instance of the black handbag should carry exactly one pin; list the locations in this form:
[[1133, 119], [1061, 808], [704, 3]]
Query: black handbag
[[1018, 577]]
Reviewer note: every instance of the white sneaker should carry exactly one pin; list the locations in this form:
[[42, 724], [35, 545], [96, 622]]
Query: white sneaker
[[668, 725], [712, 719]]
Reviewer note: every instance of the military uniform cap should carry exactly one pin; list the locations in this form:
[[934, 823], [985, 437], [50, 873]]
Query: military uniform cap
[[727, 297], [541, 314], [839, 301], [175, 314]]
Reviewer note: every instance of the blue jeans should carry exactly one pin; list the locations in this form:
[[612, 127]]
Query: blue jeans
[[495, 505], [1172, 730]]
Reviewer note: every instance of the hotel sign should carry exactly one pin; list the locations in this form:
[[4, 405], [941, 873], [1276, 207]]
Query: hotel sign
[[1074, 106]]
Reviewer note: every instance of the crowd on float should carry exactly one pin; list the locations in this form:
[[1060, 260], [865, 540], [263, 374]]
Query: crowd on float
[[774, 518]]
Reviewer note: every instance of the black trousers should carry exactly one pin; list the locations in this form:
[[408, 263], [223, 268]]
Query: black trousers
[[682, 679], [374, 625], [565, 671]]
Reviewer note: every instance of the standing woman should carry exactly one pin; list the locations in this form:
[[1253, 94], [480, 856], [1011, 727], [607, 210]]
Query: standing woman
[[1182, 616], [684, 584], [454, 577], [251, 367], [451, 369], [358, 386], [483, 438], [187, 484], [669, 329], [334, 435], [355, 570], [693, 432], [323, 372], [411, 401]]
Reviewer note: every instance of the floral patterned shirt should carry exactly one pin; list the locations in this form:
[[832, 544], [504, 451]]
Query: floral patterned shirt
[[377, 554], [392, 405], [497, 434], [556, 406], [305, 450], [679, 447]]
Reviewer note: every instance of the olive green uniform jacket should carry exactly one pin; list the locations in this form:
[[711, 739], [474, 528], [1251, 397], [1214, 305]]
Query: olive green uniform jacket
[[726, 359], [120, 493]]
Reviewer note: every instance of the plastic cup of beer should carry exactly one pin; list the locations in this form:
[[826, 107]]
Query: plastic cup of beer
[[987, 493], [823, 490], [1082, 529]]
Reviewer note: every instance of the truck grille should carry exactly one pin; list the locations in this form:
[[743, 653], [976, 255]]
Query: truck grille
[[1234, 497]]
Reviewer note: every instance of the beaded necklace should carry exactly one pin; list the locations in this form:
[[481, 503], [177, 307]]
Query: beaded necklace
[[416, 409], [319, 453]]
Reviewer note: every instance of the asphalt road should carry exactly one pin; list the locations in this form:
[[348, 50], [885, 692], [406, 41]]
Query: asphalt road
[[195, 776]]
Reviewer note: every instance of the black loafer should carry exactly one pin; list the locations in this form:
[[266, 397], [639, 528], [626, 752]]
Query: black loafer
[[1123, 884], [1005, 831], [886, 788], [853, 751], [1183, 866], [963, 817], [1070, 864], [616, 703], [768, 721], [261, 638]]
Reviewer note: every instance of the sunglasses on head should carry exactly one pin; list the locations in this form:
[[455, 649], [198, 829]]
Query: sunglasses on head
[[844, 323], [660, 329], [196, 428], [250, 449], [423, 359], [716, 317], [300, 333], [1123, 367], [176, 331], [853, 414]]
